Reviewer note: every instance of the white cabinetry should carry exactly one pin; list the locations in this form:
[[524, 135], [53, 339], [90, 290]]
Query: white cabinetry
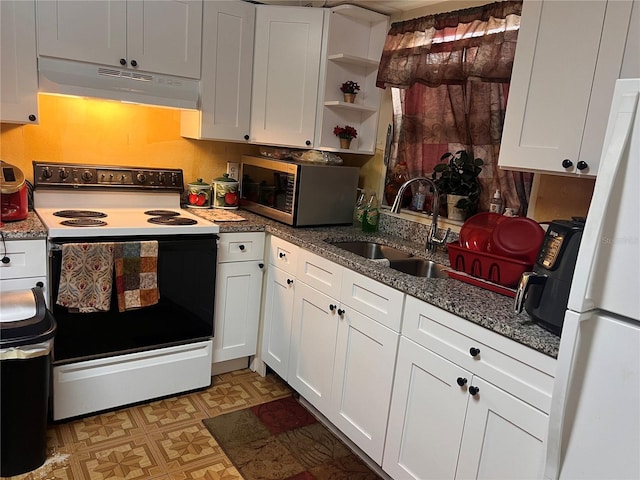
[[286, 68], [466, 403], [302, 56], [161, 37], [238, 294], [26, 266], [18, 68], [562, 84], [227, 66], [278, 305], [354, 39]]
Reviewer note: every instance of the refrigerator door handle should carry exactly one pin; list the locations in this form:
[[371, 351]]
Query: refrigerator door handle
[[607, 174]]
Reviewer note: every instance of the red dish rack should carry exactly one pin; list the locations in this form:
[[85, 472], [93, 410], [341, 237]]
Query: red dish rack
[[493, 272]]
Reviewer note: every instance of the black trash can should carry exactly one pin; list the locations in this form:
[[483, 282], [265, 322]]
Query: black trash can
[[27, 330]]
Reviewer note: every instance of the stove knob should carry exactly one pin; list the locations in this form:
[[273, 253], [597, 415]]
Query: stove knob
[[62, 173], [141, 177], [87, 176], [174, 178], [46, 172]]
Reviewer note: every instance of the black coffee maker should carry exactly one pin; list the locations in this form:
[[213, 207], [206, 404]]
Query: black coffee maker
[[545, 292]]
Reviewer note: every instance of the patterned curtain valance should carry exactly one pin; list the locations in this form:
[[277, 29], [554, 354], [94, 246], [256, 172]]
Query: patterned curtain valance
[[450, 48]]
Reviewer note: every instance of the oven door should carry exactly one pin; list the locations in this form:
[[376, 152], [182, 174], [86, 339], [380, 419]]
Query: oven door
[[184, 314]]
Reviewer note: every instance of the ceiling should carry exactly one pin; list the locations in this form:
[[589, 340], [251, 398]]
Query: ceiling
[[388, 7]]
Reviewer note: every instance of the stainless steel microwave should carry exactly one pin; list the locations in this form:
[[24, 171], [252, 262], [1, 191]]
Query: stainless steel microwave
[[297, 193]]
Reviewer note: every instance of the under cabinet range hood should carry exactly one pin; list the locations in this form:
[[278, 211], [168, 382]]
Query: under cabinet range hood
[[90, 80]]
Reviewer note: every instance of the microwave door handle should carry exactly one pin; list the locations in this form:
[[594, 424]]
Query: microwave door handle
[[527, 279]]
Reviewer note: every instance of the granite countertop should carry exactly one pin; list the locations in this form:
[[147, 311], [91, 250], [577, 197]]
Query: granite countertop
[[480, 306], [28, 229]]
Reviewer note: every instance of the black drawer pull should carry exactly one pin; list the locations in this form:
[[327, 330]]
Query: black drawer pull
[[474, 351], [473, 390], [241, 247], [281, 255], [461, 381], [289, 281]]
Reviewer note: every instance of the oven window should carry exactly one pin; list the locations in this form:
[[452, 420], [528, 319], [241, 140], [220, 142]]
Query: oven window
[[186, 281]]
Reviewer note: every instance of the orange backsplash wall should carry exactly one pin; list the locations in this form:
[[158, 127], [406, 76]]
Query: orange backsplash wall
[[80, 130]]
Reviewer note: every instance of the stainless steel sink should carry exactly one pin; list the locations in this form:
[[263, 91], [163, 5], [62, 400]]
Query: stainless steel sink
[[420, 267], [373, 250]]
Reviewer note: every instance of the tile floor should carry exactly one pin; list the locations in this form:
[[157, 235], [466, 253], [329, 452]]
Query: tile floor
[[164, 439]]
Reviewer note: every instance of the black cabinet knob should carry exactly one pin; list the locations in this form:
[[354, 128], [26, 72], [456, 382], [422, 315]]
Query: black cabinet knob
[[582, 165], [39, 284], [241, 247], [123, 61], [473, 390], [341, 312], [289, 281], [474, 351], [5, 260], [261, 265], [461, 381], [332, 307], [32, 117], [281, 255], [246, 137], [566, 163], [134, 63], [308, 142]]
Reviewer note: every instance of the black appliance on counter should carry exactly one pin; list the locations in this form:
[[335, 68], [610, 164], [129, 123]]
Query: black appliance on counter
[[544, 293]]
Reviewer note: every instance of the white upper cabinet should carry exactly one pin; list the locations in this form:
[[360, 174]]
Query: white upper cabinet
[[568, 56], [286, 72], [154, 36], [354, 40], [227, 65], [18, 68]]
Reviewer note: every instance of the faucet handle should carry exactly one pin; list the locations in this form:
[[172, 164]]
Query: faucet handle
[[442, 240]]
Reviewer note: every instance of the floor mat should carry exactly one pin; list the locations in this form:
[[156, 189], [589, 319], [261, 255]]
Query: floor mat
[[281, 440]]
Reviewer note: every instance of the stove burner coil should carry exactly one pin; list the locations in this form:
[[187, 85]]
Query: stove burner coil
[[161, 213], [83, 222], [172, 221], [79, 214]]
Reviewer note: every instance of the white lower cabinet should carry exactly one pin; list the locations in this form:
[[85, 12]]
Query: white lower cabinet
[[24, 265], [238, 295], [447, 420]]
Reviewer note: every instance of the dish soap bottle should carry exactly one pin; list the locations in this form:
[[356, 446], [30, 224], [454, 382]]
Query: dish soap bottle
[[359, 210], [496, 203], [371, 216]]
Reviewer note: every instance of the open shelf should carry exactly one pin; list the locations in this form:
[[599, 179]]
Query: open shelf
[[353, 60], [350, 106]]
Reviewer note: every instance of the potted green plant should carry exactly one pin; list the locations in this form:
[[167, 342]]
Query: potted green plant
[[345, 134], [457, 177], [350, 89]]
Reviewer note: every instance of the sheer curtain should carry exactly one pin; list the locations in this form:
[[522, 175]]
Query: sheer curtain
[[449, 75]]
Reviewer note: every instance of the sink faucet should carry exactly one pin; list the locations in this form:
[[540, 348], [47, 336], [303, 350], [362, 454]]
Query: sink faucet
[[432, 239]]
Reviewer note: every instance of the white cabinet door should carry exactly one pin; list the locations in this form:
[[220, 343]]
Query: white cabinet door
[[277, 315], [88, 30], [285, 75], [313, 344], [227, 66], [237, 309], [503, 437], [18, 67], [427, 415], [165, 36], [362, 380], [559, 101], [148, 35]]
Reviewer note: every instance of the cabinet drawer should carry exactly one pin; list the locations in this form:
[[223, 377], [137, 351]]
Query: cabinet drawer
[[283, 254], [240, 247], [319, 273], [27, 258], [523, 372], [373, 299]]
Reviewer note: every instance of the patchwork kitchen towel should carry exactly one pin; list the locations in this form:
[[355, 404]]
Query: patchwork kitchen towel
[[86, 278], [136, 266]]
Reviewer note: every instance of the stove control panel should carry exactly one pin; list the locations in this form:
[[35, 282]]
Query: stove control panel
[[76, 176]]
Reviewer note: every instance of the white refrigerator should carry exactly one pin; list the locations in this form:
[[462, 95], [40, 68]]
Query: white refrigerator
[[594, 422]]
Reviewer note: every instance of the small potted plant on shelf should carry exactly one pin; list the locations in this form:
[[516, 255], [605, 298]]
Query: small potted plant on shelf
[[457, 177], [350, 90], [346, 134]]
